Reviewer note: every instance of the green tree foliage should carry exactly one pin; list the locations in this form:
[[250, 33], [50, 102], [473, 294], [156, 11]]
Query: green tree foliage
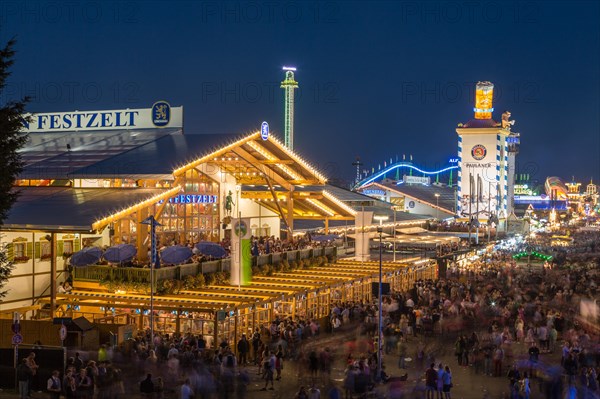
[[11, 140], [6, 267]]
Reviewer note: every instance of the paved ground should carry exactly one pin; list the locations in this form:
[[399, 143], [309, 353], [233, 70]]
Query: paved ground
[[467, 384]]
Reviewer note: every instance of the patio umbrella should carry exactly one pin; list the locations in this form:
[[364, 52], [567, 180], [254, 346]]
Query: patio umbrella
[[87, 256], [213, 249], [175, 254], [120, 253]]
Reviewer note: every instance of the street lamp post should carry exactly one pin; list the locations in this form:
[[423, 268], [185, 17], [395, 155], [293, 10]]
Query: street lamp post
[[150, 220], [394, 207], [437, 205], [379, 299], [238, 189]]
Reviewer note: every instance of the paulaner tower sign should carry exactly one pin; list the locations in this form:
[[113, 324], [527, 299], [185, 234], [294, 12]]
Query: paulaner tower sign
[[484, 187]]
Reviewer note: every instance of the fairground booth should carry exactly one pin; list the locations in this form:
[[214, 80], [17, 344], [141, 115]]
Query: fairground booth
[[91, 181]]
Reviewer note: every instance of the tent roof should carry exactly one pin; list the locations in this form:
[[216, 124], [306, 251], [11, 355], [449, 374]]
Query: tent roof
[[70, 209]]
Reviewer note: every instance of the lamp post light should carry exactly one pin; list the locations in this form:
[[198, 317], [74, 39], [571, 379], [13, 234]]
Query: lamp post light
[[395, 208], [238, 189], [437, 205], [154, 262], [380, 313]]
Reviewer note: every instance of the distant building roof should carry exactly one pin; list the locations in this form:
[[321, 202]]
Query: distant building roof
[[426, 194]]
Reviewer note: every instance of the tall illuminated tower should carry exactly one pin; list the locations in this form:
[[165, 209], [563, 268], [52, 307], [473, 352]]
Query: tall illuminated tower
[[514, 141], [289, 84], [483, 181]]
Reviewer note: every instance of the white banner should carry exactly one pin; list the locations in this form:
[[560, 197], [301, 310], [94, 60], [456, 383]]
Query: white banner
[[361, 247], [160, 115], [416, 179]]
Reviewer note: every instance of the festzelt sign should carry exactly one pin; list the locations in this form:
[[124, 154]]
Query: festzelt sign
[[160, 115]]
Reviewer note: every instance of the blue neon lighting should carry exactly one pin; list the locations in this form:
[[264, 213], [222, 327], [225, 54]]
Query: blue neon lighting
[[404, 165]]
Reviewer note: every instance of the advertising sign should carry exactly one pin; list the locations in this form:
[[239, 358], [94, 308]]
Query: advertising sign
[[264, 131], [160, 115], [416, 179]]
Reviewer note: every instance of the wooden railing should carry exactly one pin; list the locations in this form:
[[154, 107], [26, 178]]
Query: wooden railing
[[99, 273]]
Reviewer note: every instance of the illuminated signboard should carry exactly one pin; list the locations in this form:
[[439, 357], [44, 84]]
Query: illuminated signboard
[[193, 199], [160, 115], [484, 93], [416, 179], [264, 131]]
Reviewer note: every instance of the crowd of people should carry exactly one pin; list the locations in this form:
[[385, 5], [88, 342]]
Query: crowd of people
[[531, 326]]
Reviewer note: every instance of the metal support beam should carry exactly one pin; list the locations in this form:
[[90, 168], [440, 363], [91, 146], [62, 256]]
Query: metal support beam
[[52, 274], [267, 172], [283, 217], [290, 212], [142, 235]]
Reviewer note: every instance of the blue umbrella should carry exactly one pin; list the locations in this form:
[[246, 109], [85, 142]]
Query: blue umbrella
[[175, 254], [213, 249], [120, 253], [87, 256]]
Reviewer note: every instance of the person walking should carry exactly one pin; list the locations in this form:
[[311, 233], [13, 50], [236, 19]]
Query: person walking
[[440, 380], [314, 392], [525, 390], [34, 379], [447, 378], [69, 384], [147, 387], [256, 346], [459, 346], [24, 376], [402, 348], [186, 391], [242, 382], [487, 360], [534, 356], [301, 394], [431, 381], [498, 359], [53, 385], [279, 361], [349, 381], [269, 366], [85, 389], [243, 347]]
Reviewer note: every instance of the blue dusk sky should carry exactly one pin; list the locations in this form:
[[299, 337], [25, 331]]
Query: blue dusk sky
[[377, 79]]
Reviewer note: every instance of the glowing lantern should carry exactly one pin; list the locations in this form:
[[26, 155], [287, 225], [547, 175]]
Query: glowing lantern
[[484, 93]]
